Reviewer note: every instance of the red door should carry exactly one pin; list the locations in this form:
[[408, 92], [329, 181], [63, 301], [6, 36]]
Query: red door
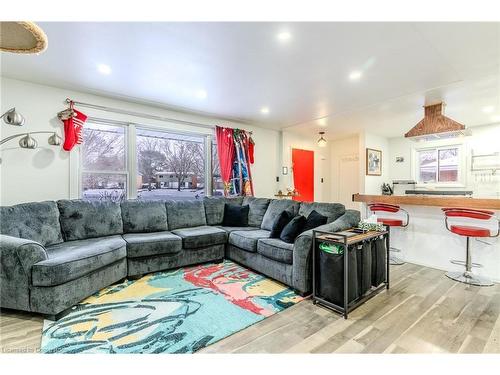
[[303, 174]]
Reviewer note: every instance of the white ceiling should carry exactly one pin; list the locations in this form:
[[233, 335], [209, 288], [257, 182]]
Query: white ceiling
[[304, 82]]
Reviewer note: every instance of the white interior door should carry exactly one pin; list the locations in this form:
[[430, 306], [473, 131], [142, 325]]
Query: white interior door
[[346, 177]]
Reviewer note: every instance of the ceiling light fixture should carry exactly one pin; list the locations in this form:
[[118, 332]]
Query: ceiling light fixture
[[264, 110], [355, 75], [495, 118], [321, 141], [488, 109], [104, 69], [201, 94], [284, 36]]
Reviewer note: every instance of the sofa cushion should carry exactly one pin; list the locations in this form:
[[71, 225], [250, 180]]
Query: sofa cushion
[[144, 216], [89, 219], [235, 216], [232, 229], [279, 223], [71, 260], [293, 229], [37, 221], [258, 208], [314, 220], [247, 239], [202, 236], [185, 214], [151, 244], [214, 208], [275, 208], [276, 249], [331, 210]]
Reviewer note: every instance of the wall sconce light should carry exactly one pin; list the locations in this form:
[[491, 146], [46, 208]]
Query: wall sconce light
[[28, 142], [12, 117], [284, 170], [321, 141]]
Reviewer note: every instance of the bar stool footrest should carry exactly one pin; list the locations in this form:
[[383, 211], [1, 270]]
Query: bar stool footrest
[[463, 263]]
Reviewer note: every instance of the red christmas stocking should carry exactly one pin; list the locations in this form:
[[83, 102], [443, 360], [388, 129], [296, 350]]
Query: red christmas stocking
[[73, 128], [251, 149]]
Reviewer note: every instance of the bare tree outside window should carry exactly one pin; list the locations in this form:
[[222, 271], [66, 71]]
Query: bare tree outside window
[[170, 166], [104, 175]]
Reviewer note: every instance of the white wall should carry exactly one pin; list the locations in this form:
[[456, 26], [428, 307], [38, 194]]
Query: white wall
[[484, 139], [45, 173], [321, 163], [373, 184]]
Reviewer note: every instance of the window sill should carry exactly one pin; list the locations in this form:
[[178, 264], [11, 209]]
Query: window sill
[[441, 186]]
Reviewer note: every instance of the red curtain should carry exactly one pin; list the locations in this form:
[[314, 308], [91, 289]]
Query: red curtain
[[225, 150]]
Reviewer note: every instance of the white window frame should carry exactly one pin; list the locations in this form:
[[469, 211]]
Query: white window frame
[[125, 172], [441, 145], [130, 173]]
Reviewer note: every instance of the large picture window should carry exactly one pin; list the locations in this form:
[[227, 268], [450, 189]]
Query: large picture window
[[104, 172], [440, 165], [129, 161]]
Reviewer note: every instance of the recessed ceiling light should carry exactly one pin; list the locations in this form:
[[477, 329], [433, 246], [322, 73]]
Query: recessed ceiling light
[[284, 36], [322, 121], [104, 69], [355, 75], [201, 94], [488, 109], [264, 110], [495, 118]]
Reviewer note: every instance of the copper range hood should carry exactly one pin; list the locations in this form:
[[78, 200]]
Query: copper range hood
[[435, 125]]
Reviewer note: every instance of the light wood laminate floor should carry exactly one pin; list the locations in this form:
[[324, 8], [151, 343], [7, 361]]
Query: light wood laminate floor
[[423, 312]]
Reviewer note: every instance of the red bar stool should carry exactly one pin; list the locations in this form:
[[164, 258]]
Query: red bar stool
[[383, 209], [467, 222]]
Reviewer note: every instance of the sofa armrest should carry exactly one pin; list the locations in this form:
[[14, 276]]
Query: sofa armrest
[[17, 256], [303, 245]]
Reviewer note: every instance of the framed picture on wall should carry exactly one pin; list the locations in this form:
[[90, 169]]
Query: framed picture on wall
[[373, 162]]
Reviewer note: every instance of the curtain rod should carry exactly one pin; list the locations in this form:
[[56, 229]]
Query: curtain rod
[[138, 114]]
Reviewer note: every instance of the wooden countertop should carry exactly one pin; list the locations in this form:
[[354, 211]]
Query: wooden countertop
[[426, 200]]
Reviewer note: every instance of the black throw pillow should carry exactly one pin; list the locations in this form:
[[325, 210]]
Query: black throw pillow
[[235, 215], [314, 220], [293, 229], [280, 222]]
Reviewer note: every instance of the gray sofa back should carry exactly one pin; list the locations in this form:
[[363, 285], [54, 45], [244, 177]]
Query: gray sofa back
[[257, 210], [36, 221], [331, 210], [144, 216], [214, 208], [275, 208], [185, 214], [88, 219]]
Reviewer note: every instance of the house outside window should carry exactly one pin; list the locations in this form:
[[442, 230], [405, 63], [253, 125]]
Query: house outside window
[[439, 166]]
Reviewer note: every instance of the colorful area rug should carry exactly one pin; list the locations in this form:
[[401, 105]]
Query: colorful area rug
[[177, 311]]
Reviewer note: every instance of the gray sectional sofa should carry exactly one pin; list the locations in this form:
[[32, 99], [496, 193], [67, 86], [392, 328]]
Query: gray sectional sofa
[[54, 254]]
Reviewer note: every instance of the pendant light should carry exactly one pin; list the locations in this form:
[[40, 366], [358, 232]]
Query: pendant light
[[321, 140]]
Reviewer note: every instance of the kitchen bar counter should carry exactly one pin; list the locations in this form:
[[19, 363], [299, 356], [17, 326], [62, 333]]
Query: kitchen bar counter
[[426, 241], [427, 200]]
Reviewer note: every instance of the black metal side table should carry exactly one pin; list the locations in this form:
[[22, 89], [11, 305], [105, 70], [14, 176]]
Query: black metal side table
[[345, 242]]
